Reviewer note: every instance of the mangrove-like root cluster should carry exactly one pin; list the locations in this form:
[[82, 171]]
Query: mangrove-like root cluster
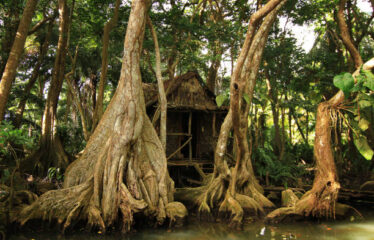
[[319, 202], [215, 200]]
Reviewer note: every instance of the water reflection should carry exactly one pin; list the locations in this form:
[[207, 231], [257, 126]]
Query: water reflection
[[218, 231]]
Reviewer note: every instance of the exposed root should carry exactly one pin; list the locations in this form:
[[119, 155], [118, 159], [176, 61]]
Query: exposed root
[[318, 202], [231, 208], [249, 204], [215, 196], [69, 204], [289, 198], [176, 212]]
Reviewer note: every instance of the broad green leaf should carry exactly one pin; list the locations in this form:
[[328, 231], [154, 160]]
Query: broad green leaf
[[344, 82], [369, 83], [220, 99], [363, 147], [360, 79], [246, 98], [363, 124], [364, 103]]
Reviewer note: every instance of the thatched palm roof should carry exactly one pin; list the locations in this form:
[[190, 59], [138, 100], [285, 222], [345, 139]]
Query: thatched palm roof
[[184, 92]]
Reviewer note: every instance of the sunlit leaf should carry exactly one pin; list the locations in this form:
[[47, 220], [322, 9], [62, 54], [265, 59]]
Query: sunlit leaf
[[246, 98], [220, 99], [363, 147], [364, 103], [369, 83], [363, 124], [344, 82]]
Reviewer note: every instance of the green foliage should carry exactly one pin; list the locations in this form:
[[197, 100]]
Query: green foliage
[[369, 77], [11, 136], [344, 82], [5, 176], [55, 173], [283, 172], [363, 147], [362, 113], [246, 98], [223, 98], [72, 138]]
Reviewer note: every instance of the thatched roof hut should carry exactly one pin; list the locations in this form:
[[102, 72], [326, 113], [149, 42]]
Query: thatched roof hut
[[193, 124], [187, 91]]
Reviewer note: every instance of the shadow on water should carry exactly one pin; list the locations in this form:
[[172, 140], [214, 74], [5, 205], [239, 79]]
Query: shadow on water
[[218, 231], [195, 230]]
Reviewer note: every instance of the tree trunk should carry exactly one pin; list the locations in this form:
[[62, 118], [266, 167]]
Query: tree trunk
[[346, 37], [15, 54], [277, 141], [33, 78], [320, 201], [75, 96], [108, 27], [293, 114], [51, 152], [235, 190], [123, 169], [214, 67], [283, 133], [10, 22], [161, 90]]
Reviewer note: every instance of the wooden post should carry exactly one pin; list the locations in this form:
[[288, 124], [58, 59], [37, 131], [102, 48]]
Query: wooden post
[[189, 132]]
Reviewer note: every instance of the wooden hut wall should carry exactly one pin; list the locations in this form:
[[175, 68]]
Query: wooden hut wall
[[205, 140], [173, 142]]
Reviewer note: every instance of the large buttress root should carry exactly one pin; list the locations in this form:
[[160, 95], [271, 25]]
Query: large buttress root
[[234, 190], [123, 169]]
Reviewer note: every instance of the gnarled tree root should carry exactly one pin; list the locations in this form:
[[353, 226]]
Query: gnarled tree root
[[317, 203], [215, 200], [76, 203]]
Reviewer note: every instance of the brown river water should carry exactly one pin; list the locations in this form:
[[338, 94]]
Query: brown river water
[[363, 230]]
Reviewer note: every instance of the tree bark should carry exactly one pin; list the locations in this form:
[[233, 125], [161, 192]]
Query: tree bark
[[293, 114], [277, 142], [214, 67], [123, 169], [320, 201], [161, 90], [346, 37], [15, 54], [11, 22], [75, 96], [108, 27], [235, 190], [217, 18], [34, 77], [51, 152]]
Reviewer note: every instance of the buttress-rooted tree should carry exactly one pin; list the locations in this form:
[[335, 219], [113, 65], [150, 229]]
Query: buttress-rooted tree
[[123, 169]]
